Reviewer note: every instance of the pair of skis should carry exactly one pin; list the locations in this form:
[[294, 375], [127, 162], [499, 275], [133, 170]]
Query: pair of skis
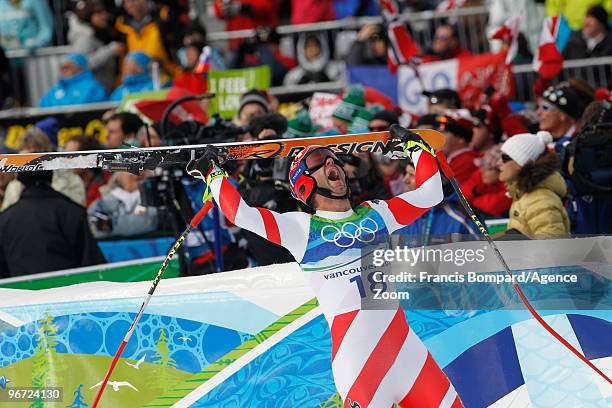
[[138, 159]]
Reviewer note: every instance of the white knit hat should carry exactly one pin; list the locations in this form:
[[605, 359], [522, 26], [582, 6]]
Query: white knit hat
[[526, 147]]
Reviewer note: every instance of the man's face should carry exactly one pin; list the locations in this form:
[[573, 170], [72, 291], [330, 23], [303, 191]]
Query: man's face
[[444, 41], [136, 8], [131, 67], [332, 177], [378, 125], [410, 178], [312, 49], [552, 119], [114, 134], [452, 143], [250, 111], [69, 69], [437, 108], [592, 27]]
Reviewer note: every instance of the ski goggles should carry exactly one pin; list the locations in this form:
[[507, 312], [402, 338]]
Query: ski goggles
[[317, 158], [505, 158]]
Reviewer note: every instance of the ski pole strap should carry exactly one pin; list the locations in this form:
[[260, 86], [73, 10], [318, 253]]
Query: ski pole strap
[[412, 145]]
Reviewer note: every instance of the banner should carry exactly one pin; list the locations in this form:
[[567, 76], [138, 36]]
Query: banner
[[257, 338], [230, 85], [470, 76], [82, 119], [322, 106]]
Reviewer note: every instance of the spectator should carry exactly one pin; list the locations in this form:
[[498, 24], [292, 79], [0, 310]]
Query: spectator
[[150, 135], [121, 129], [263, 49], [252, 103], [594, 40], [315, 61], [44, 231], [574, 10], [25, 24], [312, 11], [484, 190], [99, 40], [119, 211], [76, 85], [63, 181], [246, 14], [345, 112], [535, 185], [445, 45], [530, 24], [381, 121], [561, 106], [94, 178], [370, 48], [458, 129], [442, 99], [142, 27], [136, 77], [50, 126], [441, 224], [301, 125], [365, 181], [194, 40]]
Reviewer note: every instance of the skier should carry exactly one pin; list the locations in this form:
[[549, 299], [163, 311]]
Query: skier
[[377, 360]]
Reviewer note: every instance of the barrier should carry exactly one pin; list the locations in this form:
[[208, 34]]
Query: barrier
[[257, 338]]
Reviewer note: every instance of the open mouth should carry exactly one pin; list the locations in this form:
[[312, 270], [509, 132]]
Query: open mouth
[[333, 174]]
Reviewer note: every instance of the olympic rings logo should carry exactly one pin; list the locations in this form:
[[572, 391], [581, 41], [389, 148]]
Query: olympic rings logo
[[350, 232]]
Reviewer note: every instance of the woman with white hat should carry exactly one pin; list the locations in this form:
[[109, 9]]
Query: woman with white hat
[[535, 185]]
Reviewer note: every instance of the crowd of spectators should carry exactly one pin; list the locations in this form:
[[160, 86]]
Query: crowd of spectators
[[515, 161]]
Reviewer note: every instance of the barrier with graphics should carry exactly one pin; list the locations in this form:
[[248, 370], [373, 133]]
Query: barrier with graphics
[[257, 338]]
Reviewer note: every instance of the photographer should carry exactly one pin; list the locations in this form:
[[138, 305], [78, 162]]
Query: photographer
[[261, 189]]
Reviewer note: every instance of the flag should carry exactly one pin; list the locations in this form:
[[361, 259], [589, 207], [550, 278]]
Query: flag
[[548, 61], [448, 5], [508, 33], [203, 64], [401, 46]]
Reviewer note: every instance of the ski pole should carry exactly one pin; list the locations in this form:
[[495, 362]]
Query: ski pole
[[194, 222], [450, 175]]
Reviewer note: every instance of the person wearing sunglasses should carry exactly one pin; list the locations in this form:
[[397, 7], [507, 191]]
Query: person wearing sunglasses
[[445, 45], [535, 185], [377, 360], [381, 121], [560, 108]]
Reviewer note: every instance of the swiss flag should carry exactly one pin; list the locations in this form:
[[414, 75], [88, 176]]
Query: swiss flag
[[548, 61], [508, 33], [401, 46]]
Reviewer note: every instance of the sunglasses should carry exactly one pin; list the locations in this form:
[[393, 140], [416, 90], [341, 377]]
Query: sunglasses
[[505, 158], [378, 128], [317, 158], [546, 107]]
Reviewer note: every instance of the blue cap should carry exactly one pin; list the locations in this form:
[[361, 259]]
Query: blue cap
[[140, 58], [50, 126], [78, 59]]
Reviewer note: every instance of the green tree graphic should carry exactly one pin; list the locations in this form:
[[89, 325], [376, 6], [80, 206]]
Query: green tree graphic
[[46, 367], [162, 358]]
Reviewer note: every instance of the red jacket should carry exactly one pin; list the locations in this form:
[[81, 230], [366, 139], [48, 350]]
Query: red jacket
[[462, 164], [254, 13], [312, 11], [491, 199], [459, 52]]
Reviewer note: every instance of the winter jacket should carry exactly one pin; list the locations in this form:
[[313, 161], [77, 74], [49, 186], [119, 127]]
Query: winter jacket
[[577, 47], [25, 24], [442, 224], [252, 14], [312, 11], [462, 164], [132, 84], [490, 199], [322, 69], [45, 231], [361, 54], [101, 56], [76, 90], [64, 181], [350, 8], [537, 209], [118, 206], [147, 38], [575, 10]]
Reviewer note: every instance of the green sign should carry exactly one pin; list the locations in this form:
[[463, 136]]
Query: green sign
[[229, 86]]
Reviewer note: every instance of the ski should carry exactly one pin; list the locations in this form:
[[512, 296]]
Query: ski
[[134, 160]]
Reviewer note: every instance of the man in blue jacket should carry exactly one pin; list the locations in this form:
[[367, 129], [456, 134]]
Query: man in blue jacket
[[136, 77], [76, 85]]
